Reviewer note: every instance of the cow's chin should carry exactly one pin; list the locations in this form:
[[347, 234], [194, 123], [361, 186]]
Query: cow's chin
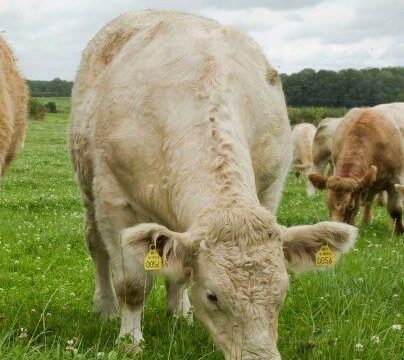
[[347, 217]]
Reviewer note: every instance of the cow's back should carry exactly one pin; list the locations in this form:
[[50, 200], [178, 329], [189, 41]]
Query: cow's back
[[395, 111], [13, 107], [150, 86], [374, 133]]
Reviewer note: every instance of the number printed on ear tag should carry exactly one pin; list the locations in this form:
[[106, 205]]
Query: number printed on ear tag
[[325, 256], [152, 261]]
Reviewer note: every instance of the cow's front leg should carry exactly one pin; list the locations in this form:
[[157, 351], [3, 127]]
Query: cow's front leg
[[178, 301], [131, 283], [132, 292]]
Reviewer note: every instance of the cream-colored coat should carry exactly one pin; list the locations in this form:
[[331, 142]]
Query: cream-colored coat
[[322, 144], [180, 139], [302, 139], [13, 107]]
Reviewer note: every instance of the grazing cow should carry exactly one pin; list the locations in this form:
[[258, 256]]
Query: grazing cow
[[322, 144], [13, 107], [368, 153], [180, 141], [302, 139]]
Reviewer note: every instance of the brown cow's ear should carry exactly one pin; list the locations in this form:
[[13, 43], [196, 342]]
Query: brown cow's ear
[[319, 181], [369, 178], [175, 248], [301, 243]]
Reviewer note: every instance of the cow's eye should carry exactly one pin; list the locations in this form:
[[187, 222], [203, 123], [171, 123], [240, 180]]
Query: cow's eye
[[211, 297]]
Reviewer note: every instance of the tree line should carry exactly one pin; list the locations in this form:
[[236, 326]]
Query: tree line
[[345, 88], [53, 88]]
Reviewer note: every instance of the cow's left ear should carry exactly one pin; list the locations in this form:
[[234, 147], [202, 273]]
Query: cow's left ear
[[301, 243], [319, 181], [175, 249]]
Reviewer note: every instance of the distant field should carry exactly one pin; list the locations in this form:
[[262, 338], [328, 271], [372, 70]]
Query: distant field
[[46, 277], [62, 103], [296, 114]]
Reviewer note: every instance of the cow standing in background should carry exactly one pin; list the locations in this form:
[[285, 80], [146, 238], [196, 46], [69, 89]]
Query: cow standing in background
[[302, 139], [322, 145], [368, 153], [180, 140], [13, 107]]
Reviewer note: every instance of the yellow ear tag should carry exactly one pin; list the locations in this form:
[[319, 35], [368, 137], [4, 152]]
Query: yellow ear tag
[[325, 256], [152, 261]]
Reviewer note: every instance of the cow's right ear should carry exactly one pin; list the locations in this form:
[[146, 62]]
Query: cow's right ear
[[319, 181], [175, 248]]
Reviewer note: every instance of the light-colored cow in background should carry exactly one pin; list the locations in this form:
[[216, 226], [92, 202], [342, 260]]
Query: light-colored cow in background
[[13, 107], [322, 145], [180, 138], [368, 153], [302, 139]]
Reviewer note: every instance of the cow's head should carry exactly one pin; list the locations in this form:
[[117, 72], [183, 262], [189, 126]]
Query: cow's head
[[345, 194], [238, 271]]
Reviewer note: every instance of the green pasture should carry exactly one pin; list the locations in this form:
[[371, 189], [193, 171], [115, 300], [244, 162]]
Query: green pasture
[[46, 277]]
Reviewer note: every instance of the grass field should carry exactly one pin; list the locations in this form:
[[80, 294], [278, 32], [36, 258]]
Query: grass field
[[46, 278]]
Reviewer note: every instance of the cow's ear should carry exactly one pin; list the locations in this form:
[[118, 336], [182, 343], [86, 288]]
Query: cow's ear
[[319, 181], [301, 243], [174, 248], [369, 178]]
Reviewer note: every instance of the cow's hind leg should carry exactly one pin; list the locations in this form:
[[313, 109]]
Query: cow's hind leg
[[395, 209], [177, 300], [104, 301]]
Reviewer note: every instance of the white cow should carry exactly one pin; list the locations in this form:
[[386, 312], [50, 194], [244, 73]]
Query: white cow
[[13, 107], [180, 138], [302, 139], [322, 144]]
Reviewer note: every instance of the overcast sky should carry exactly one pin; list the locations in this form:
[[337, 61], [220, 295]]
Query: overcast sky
[[49, 35]]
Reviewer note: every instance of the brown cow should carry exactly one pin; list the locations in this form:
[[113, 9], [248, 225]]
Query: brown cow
[[302, 138], [368, 153], [13, 107]]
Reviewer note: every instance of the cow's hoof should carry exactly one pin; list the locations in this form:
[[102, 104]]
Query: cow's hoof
[[107, 307]]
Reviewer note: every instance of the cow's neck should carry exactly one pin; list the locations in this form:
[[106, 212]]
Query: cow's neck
[[221, 175], [353, 160]]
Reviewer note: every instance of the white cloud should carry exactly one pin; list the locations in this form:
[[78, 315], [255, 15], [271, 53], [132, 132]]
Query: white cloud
[[48, 36]]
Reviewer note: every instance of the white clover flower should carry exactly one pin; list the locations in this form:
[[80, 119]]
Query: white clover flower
[[375, 339], [359, 347], [23, 333], [396, 327]]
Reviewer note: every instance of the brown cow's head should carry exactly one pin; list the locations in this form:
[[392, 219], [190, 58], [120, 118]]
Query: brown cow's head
[[345, 194], [238, 272]]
